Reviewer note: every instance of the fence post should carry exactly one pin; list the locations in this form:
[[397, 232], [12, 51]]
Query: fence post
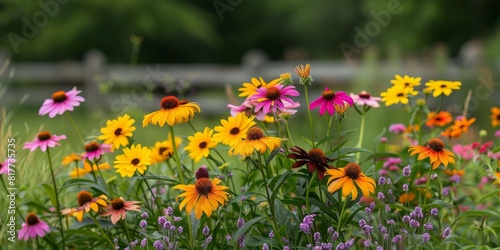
[[94, 66]]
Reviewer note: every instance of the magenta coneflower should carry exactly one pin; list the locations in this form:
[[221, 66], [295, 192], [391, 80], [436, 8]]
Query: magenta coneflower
[[94, 150], [4, 167], [32, 228], [365, 99], [61, 102], [328, 99], [273, 97], [118, 209], [43, 140]]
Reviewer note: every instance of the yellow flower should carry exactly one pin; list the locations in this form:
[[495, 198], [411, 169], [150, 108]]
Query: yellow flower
[[200, 144], [495, 116], [86, 203], [118, 131], [303, 71], [397, 94], [172, 112], [204, 196], [164, 150], [250, 88], [134, 158], [79, 172], [286, 78], [255, 140], [442, 87], [406, 81], [349, 178], [435, 151], [71, 158], [233, 129], [304, 74]]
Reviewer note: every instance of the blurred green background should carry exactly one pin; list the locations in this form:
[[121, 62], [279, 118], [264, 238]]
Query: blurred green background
[[221, 31], [437, 37]]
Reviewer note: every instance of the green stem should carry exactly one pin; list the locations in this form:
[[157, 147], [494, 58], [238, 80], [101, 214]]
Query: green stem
[[308, 191], [96, 162], [58, 206], [124, 225], [104, 234], [341, 212], [361, 133], [338, 143], [427, 184], [152, 195], [75, 127], [289, 136], [309, 115], [330, 120], [176, 155]]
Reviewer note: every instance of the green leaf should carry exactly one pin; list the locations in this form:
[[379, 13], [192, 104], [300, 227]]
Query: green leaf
[[247, 226], [156, 177], [84, 183], [378, 156], [331, 137], [49, 190], [323, 208], [486, 196], [346, 151]]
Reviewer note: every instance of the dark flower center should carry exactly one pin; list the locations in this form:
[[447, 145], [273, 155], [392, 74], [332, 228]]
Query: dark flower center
[[328, 95], [316, 156], [32, 219], [169, 102], [117, 204], [273, 93], [498, 117], [161, 150], [352, 170], [407, 84], [364, 95], [118, 132], [438, 119], [400, 95], [234, 131], [44, 135], [91, 147], [254, 133], [202, 145], [443, 86], [201, 173], [59, 96], [135, 161], [84, 197], [436, 144], [203, 186]]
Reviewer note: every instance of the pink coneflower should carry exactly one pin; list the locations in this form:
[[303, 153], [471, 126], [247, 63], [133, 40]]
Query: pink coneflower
[[94, 150], [43, 140], [272, 98], [118, 209], [364, 98], [4, 167], [465, 152], [32, 228], [397, 128], [328, 99], [61, 102]]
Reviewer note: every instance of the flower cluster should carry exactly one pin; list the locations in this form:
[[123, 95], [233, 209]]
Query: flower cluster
[[253, 180]]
